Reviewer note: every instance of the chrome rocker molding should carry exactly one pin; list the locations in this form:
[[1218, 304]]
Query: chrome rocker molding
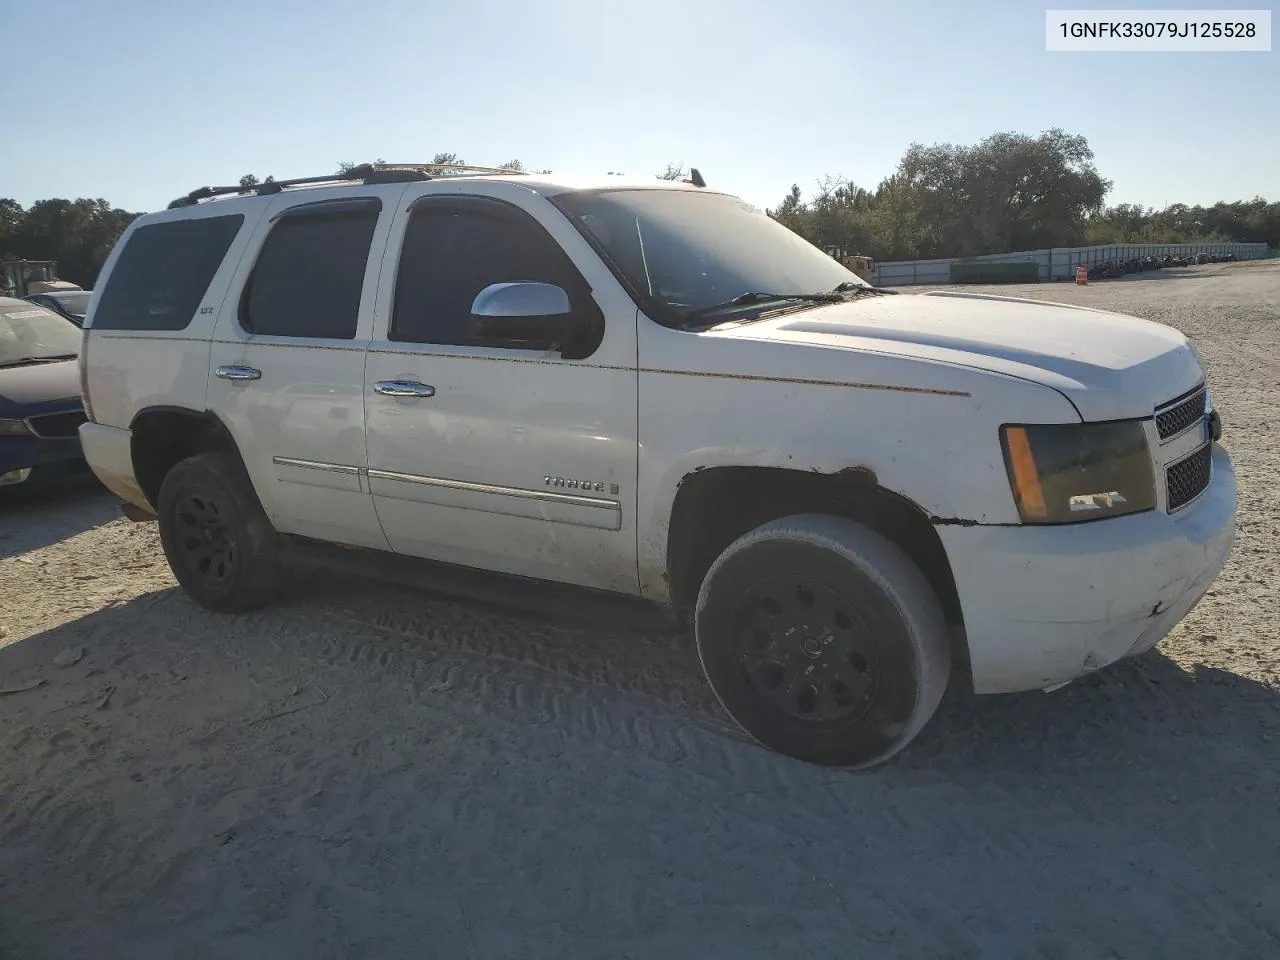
[[610, 508], [317, 465], [577, 501]]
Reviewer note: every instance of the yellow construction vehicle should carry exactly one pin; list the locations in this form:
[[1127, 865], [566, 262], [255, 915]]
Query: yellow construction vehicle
[[862, 266], [21, 278]]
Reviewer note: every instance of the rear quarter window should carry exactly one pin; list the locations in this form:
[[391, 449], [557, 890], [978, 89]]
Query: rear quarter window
[[163, 272]]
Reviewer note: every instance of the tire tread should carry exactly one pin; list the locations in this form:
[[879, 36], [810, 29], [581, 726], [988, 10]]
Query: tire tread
[[262, 576], [893, 572]]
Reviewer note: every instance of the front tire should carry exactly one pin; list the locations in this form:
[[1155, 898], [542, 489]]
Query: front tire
[[823, 640], [220, 544]]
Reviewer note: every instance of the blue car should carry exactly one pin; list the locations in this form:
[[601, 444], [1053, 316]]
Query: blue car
[[72, 304], [40, 406]]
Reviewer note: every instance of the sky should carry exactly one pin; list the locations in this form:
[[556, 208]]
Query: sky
[[140, 101]]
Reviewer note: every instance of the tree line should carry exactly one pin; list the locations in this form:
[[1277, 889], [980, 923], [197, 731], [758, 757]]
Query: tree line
[[1008, 192], [77, 233]]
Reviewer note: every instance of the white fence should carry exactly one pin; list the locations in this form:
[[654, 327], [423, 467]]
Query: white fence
[[1059, 263]]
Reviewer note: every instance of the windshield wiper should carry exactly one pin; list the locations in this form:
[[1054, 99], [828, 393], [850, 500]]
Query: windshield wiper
[[745, 299], [850, 286], [30, 361]]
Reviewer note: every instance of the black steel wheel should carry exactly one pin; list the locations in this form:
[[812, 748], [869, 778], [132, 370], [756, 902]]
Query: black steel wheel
[[823, 640], [205, 538], [219, 542], [808, 650]]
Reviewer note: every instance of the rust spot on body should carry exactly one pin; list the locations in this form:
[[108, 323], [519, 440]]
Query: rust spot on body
[[859, 474], [952, 522]]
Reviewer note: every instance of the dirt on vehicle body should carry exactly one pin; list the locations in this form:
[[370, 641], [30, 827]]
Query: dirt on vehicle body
[[368, 766]]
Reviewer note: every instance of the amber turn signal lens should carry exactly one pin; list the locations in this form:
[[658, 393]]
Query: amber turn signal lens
[[1026, 480]]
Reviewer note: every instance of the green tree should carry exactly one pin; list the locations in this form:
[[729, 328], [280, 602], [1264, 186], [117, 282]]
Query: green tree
[[345, 167], [792, 213], [11, 216], [1007, 192], [79, 234], [839, 216]]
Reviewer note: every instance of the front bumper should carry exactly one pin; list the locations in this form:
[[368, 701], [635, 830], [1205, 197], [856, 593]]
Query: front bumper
[[44, 458], [1045, 605]]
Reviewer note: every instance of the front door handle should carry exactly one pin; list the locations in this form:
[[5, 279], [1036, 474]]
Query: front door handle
[[404, 388], [237, 373]]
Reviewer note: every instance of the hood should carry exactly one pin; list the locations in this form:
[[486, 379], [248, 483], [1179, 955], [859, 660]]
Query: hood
[[22, 387], [1110, 366]]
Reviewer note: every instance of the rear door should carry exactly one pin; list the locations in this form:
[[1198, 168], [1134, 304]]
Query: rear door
[[287, 360]]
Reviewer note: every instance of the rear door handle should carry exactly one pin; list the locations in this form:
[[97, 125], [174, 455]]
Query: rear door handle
[[237, 373], [404, 388]]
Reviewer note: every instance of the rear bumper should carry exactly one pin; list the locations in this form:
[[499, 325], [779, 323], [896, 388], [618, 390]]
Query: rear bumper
[[109, 452], [1044, 605]]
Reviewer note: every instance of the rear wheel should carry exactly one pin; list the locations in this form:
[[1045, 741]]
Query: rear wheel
[[823, 640], [219, 543]]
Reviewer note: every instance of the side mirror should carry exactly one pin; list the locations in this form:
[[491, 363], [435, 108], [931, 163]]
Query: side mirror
[[535, 313]]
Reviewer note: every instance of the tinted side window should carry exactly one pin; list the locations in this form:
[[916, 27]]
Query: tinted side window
[[308, 276], [450, 255], [163, 272]]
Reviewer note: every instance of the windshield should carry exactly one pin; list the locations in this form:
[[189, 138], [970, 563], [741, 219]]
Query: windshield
[[34, 333], [74, 303], [687, 251]]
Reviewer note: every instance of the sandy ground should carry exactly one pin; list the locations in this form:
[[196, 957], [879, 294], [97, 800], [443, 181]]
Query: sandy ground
[[363, 771]]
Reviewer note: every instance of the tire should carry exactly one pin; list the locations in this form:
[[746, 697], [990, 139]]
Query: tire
[[220, 545], [823, 640]]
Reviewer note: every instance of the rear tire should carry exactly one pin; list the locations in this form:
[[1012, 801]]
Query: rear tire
[[220, 545], [823, 640]]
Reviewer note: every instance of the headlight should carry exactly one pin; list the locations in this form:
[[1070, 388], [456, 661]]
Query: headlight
[[1073, 472], [13, 428]]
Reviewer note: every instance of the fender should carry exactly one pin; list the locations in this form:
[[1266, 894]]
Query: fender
[[155, 451]]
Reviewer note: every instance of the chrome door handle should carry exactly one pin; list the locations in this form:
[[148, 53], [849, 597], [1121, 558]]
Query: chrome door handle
[[404, 388], [237, 373]]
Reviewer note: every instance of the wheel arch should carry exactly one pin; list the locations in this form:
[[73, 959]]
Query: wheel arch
[[162, 436], [716, 505]]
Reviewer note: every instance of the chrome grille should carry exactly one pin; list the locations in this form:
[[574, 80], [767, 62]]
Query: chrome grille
[[57, 426], [1188, 478], [1181, 414]]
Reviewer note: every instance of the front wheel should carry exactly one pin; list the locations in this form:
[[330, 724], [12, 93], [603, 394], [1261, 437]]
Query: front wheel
[[219, 542], [823, 640]]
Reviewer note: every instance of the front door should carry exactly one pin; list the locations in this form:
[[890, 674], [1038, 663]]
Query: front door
[[502, 456]]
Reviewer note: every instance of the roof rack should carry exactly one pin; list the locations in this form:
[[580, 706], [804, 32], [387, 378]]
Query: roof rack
[[369, 173]]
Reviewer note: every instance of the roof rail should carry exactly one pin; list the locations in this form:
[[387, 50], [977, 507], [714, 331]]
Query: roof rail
[[365, 173]]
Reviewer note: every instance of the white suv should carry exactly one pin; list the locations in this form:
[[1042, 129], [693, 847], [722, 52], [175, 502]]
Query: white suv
[[653, 389]]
